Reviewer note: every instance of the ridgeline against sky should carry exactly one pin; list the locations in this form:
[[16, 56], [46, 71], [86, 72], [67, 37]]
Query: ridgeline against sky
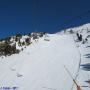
[[23, 16]]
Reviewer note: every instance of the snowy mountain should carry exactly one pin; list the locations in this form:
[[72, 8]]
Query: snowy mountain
[[42, 64]]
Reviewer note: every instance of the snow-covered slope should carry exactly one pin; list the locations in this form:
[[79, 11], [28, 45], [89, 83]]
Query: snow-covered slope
[[40, 66], [83, 77], [84, 71]]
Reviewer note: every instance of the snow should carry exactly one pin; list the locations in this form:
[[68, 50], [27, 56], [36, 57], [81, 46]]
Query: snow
[[84, 72], [84, 51], [40, 66]]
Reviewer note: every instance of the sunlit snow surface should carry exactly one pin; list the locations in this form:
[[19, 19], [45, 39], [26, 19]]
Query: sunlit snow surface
[[41, 65]]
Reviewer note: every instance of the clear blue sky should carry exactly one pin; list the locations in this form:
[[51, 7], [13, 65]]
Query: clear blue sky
[[23, 16]]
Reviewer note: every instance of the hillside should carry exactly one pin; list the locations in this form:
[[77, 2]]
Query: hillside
[[40, 65]]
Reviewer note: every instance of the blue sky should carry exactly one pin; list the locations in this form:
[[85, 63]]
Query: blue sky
[[24, 16]]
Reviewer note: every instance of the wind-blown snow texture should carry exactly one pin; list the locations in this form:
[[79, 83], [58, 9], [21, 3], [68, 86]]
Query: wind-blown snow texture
[[41, 65]]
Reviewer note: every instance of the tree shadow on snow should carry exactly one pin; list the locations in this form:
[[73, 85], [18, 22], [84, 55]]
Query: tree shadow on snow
[[87, 46], [86, 67], [87, 55]]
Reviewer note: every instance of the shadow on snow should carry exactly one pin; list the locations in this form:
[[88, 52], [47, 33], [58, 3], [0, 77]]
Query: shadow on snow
[[87, 55], [86, 67], [87, 46]]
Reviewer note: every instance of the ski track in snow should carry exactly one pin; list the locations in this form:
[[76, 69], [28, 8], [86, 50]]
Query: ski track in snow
[[84, 50], [41, 65]]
